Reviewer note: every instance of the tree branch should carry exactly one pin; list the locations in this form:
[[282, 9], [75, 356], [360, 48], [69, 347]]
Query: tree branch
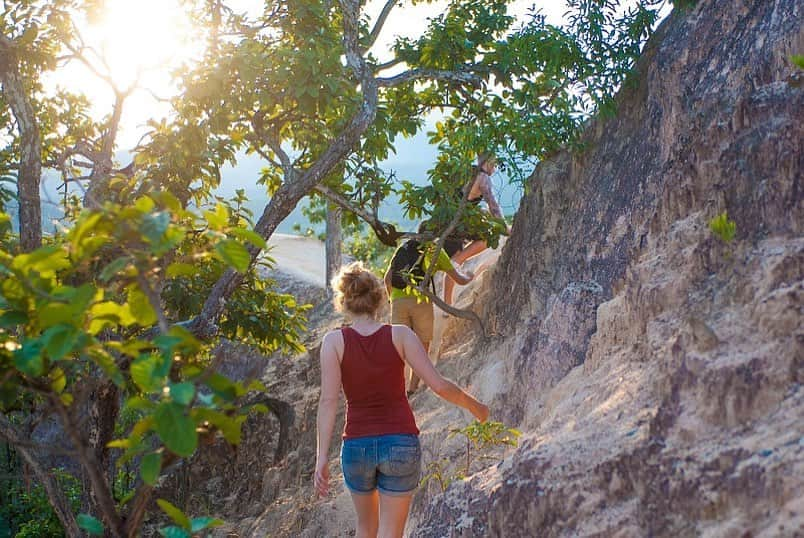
[[385, 232], [100, 486], [284, 200], [381, 18], [389, 64], [460, 77], [54, 493]]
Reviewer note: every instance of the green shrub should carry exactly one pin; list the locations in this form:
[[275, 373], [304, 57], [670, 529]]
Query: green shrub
[[724, 228], [25, 510]]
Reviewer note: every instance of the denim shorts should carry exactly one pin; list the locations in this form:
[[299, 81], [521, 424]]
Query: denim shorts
[[391, 463]]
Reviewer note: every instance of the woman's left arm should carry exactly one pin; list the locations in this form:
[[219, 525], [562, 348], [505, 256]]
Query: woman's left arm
[[327, 409]]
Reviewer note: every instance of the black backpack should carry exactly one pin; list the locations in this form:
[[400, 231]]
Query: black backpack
[[407, 259]]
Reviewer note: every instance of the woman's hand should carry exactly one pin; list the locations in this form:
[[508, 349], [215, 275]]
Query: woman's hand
[[321, 478]]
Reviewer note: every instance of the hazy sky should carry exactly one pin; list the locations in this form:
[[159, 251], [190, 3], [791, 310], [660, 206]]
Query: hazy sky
[[135, 42]]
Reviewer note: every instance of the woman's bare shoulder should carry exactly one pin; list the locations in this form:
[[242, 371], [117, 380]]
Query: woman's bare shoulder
[[333, 337]]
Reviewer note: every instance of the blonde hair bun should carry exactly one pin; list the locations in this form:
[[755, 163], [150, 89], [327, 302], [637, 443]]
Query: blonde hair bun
[[357, 290]]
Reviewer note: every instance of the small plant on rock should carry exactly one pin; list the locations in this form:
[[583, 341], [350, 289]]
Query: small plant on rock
[[724, 228], [482, 440]]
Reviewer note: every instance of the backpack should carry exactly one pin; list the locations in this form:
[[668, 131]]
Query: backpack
[[407, 259]]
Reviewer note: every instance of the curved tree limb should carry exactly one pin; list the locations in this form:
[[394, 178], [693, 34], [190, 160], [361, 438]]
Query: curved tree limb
[[386, 233], [461, 77], [381, 18], [54, 492]]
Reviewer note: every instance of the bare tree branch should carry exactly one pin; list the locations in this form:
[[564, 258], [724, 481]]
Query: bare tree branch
[[461, 77], [385, 232], [100, 486], [389, 64], [54, 492], [381, 18]]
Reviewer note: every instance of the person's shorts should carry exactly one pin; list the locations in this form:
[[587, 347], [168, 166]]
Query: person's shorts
[[390, 463], [418, 316]]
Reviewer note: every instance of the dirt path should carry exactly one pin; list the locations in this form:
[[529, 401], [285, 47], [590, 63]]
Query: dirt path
[[299, 256]]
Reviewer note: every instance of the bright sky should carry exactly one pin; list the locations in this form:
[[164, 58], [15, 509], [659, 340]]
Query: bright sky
[[148, 39]]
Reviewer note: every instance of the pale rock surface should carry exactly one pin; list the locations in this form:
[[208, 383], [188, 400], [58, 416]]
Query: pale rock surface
[[655, 371]]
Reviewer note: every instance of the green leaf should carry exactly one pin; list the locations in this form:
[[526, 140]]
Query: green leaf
[[90, 524], [249, 235], [56, 313], [29, 359], [219, 218], [109, 312], [176, 429], [229, 426], [154, 226], [182, 393], [59, 340], [234, 254], [798, 60], [114, 267], [140, 307], [13, 318], [58, 380], [175, 514], [174, 532], [201, 523], [181, 269], [145, 373], [150, 466]]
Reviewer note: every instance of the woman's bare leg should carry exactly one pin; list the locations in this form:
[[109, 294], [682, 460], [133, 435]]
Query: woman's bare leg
[[472, 249], [368, 514], [393, 515], [413, 385]]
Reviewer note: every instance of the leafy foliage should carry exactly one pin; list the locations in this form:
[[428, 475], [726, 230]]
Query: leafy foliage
[[483, 440], [723, 227], [82, 308], [25, 511]]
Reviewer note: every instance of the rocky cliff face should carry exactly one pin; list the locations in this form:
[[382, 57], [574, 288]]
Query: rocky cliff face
[[655, 369]]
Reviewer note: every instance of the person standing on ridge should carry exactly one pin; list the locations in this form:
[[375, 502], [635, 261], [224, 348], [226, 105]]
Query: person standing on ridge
[[480, 190], [407, 307], [381, 454]]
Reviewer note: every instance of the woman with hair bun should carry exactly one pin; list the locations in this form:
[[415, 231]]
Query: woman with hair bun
[[380, 455]]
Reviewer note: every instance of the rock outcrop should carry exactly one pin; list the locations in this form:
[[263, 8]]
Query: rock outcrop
[[655, 369]]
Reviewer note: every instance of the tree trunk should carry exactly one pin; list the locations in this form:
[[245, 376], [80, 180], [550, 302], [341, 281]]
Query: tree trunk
[[332, 245], [30, 171]]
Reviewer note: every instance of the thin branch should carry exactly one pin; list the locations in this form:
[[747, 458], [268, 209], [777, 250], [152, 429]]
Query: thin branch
[[388, 65], [47, 480], [460, 77], [383, 16], [153, 298], [100, 487], [386, 232]]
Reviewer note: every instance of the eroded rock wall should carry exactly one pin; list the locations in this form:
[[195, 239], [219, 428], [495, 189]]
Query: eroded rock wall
[[655, 369]]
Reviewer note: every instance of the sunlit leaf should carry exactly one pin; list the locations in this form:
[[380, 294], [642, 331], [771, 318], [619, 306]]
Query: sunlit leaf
[[175, 514]]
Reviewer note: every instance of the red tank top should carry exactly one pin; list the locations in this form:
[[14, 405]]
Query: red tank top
[[373, 377]]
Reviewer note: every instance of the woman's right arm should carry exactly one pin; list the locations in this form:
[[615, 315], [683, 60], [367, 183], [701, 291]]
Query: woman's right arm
[[327, 409], [415, 355]]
